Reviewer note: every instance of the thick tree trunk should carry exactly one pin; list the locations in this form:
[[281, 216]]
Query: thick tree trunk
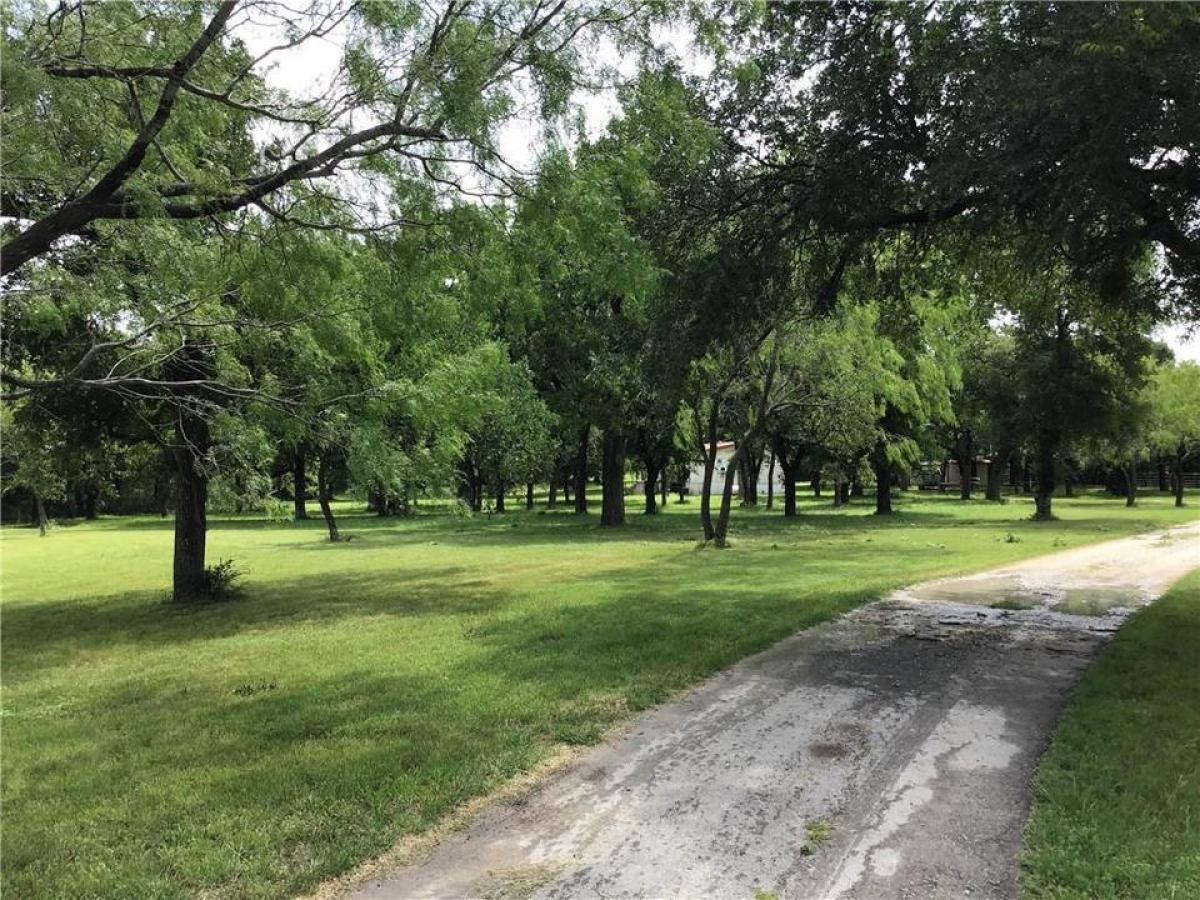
[[1179, 454], [839, 498], [1044, 499], [749, 465], [816, 485], [529, 495], [39, 514], [856, 487], [191, 498], [787, 471], [650, 488], [664, 486], [771, 483], [844, 491], [500, 497], [299, 482], [552, 494], [1130, 471], [580, 485], [191, 445], [1163, 484], [612, 509], [883, 481], [325, 493]]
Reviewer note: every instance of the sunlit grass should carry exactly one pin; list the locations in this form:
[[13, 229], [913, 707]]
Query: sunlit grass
[[357, 692], [1118, 792]]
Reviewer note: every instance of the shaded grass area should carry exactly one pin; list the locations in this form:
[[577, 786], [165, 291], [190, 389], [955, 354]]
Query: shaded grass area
[[358, 692], [1117, 811]]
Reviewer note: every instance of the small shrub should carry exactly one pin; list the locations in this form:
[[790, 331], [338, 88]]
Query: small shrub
[[220, 581], [1010, 538]]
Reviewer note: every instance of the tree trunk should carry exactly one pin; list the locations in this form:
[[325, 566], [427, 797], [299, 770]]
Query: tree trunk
[[500, 497], [844, 491], [529, 495], [883, 481], [325, 493], [650, 488], [816, 485], [1043, 500], [612, 501], [191, 446], [771, 483], [1163, 484], [709, 449], [581, 472], [856, 486], [839, 498], [39, 514], [1179, 454], [722, 527], [749, 465], [191, 498], [995, 479], [552, 494], [787, 468], [664, 486], [1130, 484], [964, 455], [299, 482], [91, 500]]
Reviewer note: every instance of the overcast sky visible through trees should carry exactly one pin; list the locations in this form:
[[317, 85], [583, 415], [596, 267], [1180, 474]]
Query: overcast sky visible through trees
[[313, 63]]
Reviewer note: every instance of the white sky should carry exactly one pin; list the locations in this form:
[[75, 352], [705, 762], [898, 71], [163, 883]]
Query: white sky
[[307, 69]]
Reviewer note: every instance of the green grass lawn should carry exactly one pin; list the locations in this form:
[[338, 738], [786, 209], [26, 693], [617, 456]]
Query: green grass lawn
[[1117, 809], [359, 692]]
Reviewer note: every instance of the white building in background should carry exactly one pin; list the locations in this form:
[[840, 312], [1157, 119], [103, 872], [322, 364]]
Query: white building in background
[[725, 451]]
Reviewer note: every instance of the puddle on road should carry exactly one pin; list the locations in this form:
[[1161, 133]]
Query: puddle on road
[[1096, 601], [1008, 593], [999, 592]]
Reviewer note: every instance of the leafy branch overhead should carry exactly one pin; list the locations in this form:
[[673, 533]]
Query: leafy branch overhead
[[415, 98]]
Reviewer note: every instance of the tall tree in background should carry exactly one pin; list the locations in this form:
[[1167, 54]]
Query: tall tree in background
[[1174, 398]]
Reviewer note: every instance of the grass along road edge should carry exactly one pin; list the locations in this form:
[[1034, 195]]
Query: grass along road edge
[[1117, 798]]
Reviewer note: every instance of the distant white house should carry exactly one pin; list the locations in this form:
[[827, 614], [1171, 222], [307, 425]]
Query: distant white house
[[725, 451]]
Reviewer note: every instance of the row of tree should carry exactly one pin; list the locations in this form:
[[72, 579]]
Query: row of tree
[[869, 234]]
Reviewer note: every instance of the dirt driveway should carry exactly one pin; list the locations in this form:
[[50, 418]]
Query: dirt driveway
[[886, 754]]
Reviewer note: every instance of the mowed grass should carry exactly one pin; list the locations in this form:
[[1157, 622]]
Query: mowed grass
[[358, 692], [1117, 809]]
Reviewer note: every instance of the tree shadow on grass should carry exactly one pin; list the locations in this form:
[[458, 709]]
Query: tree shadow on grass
[[46, 634]]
